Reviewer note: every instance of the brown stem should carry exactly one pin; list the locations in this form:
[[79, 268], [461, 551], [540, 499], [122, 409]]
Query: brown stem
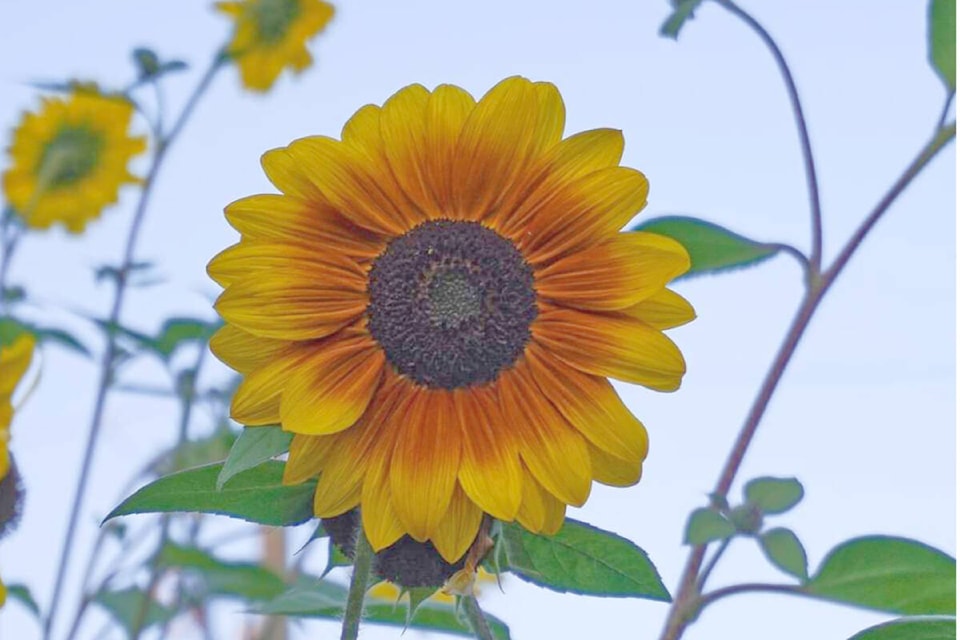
[[687, 601]]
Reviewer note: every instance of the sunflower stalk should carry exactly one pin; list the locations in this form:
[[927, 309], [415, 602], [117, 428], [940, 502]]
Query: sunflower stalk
[[689, 601], [107, 362], [476, 619], [362, 569]]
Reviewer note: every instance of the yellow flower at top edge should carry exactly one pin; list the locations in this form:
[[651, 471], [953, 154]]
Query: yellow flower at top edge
[[69, 159], [15, 359], [433, 305], [271, 35]]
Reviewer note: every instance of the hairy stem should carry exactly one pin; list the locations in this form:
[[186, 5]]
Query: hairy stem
[[687, 601], [110, 353], [810, 169], [362, 565], [476, 619]]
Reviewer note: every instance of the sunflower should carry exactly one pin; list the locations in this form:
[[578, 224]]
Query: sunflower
[[433, 306], [15, 356], [271, 35], [69, 160]]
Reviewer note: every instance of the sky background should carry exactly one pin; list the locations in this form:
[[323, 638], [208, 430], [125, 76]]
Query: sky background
[[865, 415]]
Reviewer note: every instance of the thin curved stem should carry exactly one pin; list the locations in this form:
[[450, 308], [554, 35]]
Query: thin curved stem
[[686, 602], [476, 619], [110, 353], [752, 587], [810, 169], [9, 239], [712, 563], [362, 565]]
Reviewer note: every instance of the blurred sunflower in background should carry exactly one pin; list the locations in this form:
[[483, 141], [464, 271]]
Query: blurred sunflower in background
[[69, 159], [433, 306], [271, 35], [16, 352]]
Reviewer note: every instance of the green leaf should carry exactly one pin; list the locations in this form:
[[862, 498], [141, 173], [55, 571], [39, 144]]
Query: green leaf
[[178, 331], [241, 579], [61, 338], [682, 11], [21, 593], [712, 248], [194, 453], [890, 574], [417, 596], [252, 447], [706, 525], [916, 628], [146, 60], [942, 41], [582, 559], [326, 600], [773, 495], [10, 330], [257, 495], [784, 550], [336, 558], [125, 607]]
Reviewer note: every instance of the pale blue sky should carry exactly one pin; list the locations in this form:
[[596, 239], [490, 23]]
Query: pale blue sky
[[865, 416]]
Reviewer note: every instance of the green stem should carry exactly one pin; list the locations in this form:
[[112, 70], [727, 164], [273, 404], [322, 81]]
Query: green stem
[[478, 621], [712, 564], [686, 602], [810, 169], [110, 353], [362, 566], [752, 587]]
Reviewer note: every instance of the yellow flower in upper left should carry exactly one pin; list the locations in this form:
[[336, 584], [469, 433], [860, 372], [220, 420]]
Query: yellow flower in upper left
[[14, 360], [272, 35], [69, 159]]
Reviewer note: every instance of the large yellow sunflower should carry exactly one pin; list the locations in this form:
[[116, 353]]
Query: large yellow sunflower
[[271, 35], [15, 358], [69, 160], [433, 306]]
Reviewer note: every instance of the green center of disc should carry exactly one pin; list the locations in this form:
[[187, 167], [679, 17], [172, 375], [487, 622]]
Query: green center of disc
[[71, 156], [274, 17]]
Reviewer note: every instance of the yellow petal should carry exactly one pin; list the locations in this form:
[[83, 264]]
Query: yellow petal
[[242, 351], [511, 126], [458, 528], [426, 458], [532, 513], [590, 404], [332, 387], [663, 310], [573, 158], [612, 470], [614, 274], [611, 346], [490, 471], [307, 457], [286, 219], [553, 451], [257, 399], [584, 212]]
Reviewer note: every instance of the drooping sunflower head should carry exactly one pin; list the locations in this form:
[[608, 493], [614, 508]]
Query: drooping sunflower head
[[16, 352], [433, 305], [271, 35], [69, 159]]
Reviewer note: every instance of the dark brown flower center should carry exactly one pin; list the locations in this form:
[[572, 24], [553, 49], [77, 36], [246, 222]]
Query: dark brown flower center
[[451, 303]]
